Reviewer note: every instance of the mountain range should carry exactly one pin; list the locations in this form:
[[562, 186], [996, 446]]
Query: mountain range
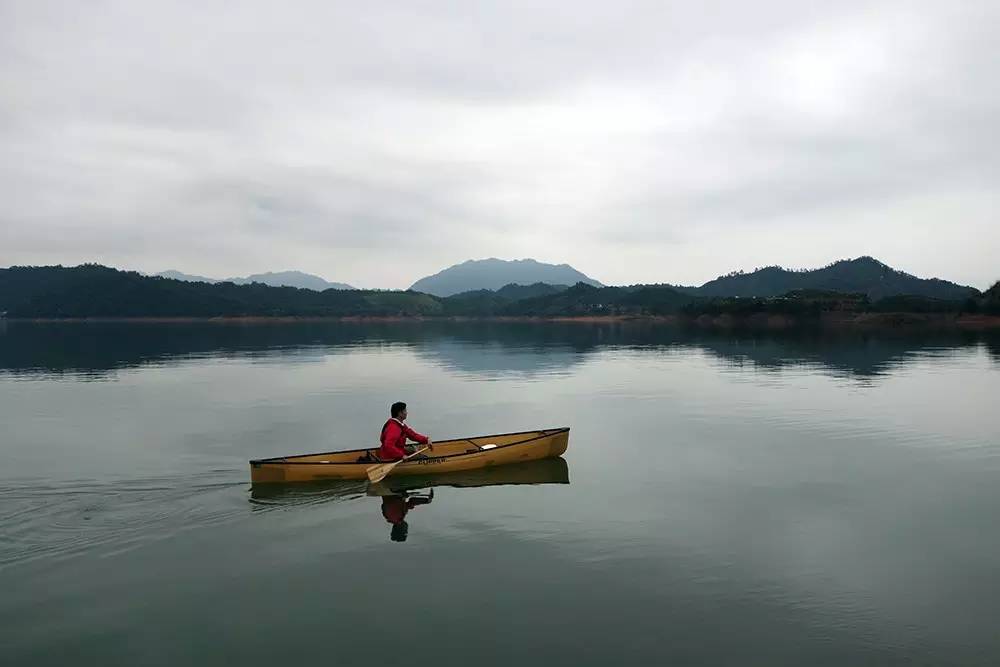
[[863, 285], [862, 275], [494, 274], [92, 290], [274, 279]]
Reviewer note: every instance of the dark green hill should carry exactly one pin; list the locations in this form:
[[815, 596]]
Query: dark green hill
[[583, 299], [486, 303], [991, 300], [515, 292], [864, 274], [477, 303], [91, 290]]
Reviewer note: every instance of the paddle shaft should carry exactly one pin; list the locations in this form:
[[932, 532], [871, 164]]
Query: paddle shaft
[[379, 472]]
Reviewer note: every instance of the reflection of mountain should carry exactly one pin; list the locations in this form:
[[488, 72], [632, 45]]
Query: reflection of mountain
[[857, 355], [484, 349], [493, 359], [99, 347], [490, 349], [993, 348]]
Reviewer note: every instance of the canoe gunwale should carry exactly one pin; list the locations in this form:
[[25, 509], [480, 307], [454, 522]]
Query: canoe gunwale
[[539, 434]]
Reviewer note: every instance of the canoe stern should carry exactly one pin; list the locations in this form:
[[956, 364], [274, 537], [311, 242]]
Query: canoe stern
[[267, 472]]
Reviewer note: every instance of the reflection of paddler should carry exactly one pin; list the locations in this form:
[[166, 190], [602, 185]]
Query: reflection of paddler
[[394, 509]]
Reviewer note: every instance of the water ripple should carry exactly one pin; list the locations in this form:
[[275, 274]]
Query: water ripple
[[59, 520]]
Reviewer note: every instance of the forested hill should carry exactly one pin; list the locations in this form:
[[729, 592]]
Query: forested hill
[[991, 299], [91, 290], [97, 291], [865, 275]]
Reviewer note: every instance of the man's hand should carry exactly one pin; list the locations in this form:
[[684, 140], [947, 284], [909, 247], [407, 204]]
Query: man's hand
[[430, 444]]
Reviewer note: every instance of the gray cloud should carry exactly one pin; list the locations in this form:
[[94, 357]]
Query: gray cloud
[[643, 141]]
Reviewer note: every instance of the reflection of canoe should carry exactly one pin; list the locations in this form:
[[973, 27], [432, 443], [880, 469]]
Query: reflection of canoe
[[449, 456], [545, 471]]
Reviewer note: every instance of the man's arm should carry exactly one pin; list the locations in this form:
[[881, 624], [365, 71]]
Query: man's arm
[[416, 437]]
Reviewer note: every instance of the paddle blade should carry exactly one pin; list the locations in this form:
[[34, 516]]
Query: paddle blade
[[377, 473]]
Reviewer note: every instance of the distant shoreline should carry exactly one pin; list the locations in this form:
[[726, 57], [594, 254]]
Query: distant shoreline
[[759, 321]]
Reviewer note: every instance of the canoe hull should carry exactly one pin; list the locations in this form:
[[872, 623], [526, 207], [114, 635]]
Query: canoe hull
[[450, 456]]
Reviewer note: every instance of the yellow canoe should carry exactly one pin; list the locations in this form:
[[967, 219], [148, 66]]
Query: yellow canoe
[[448, 456]]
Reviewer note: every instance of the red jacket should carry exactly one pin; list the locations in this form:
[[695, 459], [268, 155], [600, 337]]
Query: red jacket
[[394, 508], [394, 435]]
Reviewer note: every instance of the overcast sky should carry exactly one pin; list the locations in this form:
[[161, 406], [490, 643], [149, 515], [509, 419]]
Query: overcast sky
[[374, 143]]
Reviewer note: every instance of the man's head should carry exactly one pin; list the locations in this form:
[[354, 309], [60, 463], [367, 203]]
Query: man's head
[[399, 531], [398, 410]]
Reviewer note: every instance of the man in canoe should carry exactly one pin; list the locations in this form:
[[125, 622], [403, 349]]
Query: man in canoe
[[395, 433]]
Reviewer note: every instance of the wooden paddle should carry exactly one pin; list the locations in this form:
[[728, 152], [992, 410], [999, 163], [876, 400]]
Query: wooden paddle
[[378, 473]]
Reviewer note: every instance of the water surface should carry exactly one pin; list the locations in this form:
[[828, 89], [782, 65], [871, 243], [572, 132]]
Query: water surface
[[726, 499]]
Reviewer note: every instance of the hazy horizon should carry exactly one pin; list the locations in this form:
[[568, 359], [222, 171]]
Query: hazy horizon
[[375, 145]]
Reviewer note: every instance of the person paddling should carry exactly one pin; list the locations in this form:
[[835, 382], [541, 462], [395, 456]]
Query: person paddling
[[395, 433]]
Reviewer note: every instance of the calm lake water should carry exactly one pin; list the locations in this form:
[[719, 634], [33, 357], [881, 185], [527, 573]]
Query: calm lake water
[[731, 500]]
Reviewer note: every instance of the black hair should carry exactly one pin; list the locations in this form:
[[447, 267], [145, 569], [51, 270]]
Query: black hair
[[396, 408], [399, 531]]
